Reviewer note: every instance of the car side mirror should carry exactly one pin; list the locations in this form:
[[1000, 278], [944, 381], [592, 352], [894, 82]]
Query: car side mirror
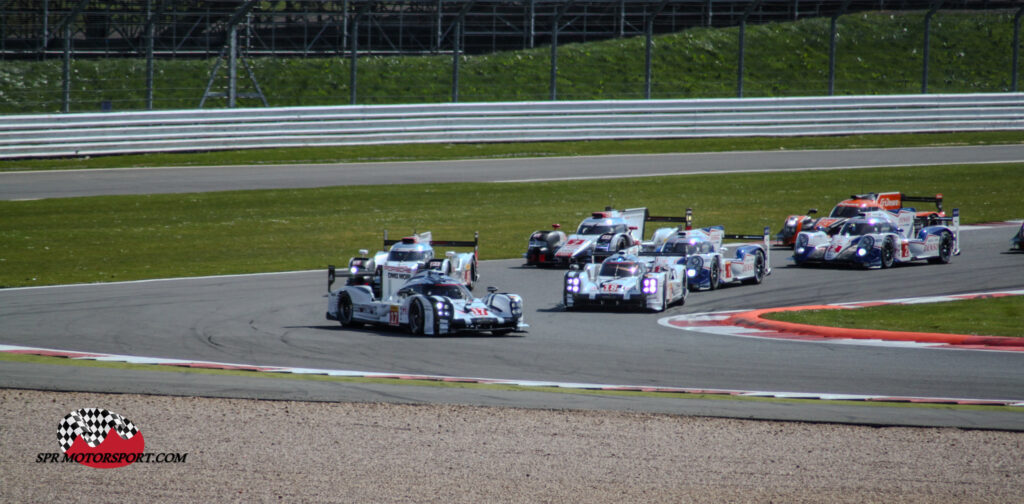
[[492, 289], [812, 211], [364, 252], [404, 292], [574, 267]]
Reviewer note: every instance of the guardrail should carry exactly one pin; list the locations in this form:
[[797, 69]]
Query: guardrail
[[69, 135]]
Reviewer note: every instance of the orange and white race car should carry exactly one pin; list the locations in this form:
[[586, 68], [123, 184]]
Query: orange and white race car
[[856, 205]]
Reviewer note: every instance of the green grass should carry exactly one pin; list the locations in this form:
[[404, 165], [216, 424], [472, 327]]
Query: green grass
[[112, 238], [877, 53], [60, 361], [983, 317], [425, 152]]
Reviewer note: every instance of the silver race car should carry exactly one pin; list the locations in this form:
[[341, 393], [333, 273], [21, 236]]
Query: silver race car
[[599, 236], [424, 302], [650, 281], [881, 239], [710, 264], [416, 253]]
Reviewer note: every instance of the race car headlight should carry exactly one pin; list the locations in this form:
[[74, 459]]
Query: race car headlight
[[801, 241], [353, 270], [791, 222], [516, 307], [866, 243], [442, 309], [650, 285], [572, 284], [800, 250]]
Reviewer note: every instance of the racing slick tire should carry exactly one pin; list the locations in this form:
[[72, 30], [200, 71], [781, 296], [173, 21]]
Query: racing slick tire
[[888, 253], [716, 276], [664, 302], [416, 317], [565, 299], [759, 269], [945, 249], [345, 311]]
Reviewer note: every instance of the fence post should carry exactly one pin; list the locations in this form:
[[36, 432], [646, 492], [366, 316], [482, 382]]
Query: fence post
[[649, 29], [833, 34], [743, 46], [927, 44], [1016, 47]]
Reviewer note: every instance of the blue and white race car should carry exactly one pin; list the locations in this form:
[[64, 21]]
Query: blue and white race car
[[1017, 242], [599, 236], [881, 239], [710, 264], [649, 281], [416, 253], [424, 302]]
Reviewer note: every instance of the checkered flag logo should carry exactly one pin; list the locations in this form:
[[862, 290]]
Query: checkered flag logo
[[92, 424]]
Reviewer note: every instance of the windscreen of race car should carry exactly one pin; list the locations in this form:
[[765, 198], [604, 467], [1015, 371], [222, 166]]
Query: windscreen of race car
[[619, 269]]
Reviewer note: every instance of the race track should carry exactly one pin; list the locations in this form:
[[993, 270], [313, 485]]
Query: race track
[[278, 320], [73, 183]]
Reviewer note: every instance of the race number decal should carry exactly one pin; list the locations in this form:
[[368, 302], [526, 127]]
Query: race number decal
[[393, 315]]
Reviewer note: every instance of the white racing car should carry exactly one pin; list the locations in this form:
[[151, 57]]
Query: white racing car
[[425, 302], [881, 239], [1017, 242], [599, 236], [710, 264], [416, 253], [649, 281]]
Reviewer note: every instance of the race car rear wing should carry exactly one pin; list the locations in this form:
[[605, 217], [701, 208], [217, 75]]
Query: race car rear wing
[[465, 243], [687, 219], [937, 199]]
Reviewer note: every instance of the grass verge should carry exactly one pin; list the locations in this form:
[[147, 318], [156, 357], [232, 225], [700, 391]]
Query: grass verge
[[116, 238], [61, 361], [983, 317], [434, 152]]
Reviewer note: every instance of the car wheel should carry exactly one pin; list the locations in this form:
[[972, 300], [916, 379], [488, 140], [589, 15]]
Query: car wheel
[[888, 254], [345, 312], [715, 276], [945, 249], [416, 318], [759, 269]]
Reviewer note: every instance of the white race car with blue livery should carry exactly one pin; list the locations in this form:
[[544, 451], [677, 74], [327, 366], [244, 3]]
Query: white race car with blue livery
[[424, 302], [882, 239], [709, 263], [599, 236], [416, 253], [648, 281], [1017, 242]]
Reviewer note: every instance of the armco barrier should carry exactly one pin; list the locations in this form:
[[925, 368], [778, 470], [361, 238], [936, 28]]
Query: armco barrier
[[63, 135]]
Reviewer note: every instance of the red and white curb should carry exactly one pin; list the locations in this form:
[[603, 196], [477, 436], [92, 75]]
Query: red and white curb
[[749, 324], [23, 350]]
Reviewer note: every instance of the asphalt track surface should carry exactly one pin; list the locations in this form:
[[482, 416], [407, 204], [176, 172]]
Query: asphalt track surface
[[73, 183], [278, 320]]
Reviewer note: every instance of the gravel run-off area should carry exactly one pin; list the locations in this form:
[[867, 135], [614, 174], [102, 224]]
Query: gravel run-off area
[[277, 451]]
